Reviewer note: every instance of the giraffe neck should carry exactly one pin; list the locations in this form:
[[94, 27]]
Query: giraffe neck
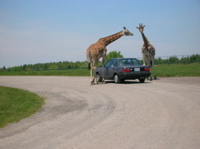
[[146, 42], [107, 40]]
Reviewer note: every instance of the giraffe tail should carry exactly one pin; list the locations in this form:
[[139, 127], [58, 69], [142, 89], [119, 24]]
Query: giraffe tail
[[151, 63], [89, 67]]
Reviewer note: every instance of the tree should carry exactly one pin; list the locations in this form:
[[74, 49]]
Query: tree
[[173, 59], [114, 54], [194, 58], [3, 69]]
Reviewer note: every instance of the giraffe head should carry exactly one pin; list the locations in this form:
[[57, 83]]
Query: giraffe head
[[126, 32], [141, 27]]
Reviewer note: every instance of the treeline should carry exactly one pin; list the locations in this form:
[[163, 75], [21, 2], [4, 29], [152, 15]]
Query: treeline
[[76, 65], [178, 59], [46, 66]]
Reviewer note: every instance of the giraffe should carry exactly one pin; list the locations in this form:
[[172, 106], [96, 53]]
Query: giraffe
[[98, 50], [148, 51]]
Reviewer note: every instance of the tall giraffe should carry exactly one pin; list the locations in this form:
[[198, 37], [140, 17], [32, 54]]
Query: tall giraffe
[[148, 51], [98, 50]]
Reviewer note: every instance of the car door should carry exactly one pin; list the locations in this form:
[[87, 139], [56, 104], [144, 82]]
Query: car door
[[113, 68], [107, 69]]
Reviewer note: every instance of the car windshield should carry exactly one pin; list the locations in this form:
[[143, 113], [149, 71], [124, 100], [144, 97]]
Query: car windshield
[[131, 61]]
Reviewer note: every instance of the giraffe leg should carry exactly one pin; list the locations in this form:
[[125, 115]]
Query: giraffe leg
[[92, 82], [150, 63], [95, 79], [153, 70], [143, 62], [103, 80], [150, 77], [103, 61], [92, 74], [154, 74]]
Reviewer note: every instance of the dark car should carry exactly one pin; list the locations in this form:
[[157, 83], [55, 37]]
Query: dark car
[[121, 69]]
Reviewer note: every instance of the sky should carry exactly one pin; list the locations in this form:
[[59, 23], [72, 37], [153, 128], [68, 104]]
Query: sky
[[43, 31]]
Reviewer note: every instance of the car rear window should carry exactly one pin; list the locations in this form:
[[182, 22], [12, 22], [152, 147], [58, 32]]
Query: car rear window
[[125, 62]]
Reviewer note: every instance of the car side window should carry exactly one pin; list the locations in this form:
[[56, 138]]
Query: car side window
[[135, 62], [115, 63], [121, 62], [109, 63]]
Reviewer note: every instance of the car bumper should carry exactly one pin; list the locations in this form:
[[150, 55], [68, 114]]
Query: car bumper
[[133, 75]]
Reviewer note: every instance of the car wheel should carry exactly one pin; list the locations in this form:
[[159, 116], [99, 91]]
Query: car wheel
[[98, 78], [116, 79], [142, 80]]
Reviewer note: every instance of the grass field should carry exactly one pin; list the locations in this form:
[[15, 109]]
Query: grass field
[[165, 70], [178, 70], [16, 104], [69, 72]]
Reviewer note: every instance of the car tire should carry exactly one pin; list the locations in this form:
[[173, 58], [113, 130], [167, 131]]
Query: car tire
[[117, 79], [142, 80], [98, 78]]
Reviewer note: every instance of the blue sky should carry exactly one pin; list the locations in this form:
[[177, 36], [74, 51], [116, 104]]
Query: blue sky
[[39, 31]]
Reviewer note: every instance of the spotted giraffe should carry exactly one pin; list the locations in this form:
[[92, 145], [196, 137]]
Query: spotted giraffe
[[98, 50], [148, 51]]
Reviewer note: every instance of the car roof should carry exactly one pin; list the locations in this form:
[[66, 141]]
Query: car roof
[[123, 58]]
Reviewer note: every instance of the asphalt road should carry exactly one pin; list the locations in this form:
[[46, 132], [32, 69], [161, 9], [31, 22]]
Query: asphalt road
[[162, 114]]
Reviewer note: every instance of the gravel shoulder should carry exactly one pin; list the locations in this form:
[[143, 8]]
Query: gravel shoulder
[[163, 114]]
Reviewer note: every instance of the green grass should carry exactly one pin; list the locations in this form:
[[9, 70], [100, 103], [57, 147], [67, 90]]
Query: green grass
[[178, 70], [70, 72], [16, 104], [164, 70]]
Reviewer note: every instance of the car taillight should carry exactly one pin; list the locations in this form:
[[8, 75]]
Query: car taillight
[[126, 70], [146, 69]]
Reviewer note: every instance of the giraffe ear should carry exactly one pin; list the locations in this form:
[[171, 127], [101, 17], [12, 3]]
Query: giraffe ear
[[124, 28], [137, 27]]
